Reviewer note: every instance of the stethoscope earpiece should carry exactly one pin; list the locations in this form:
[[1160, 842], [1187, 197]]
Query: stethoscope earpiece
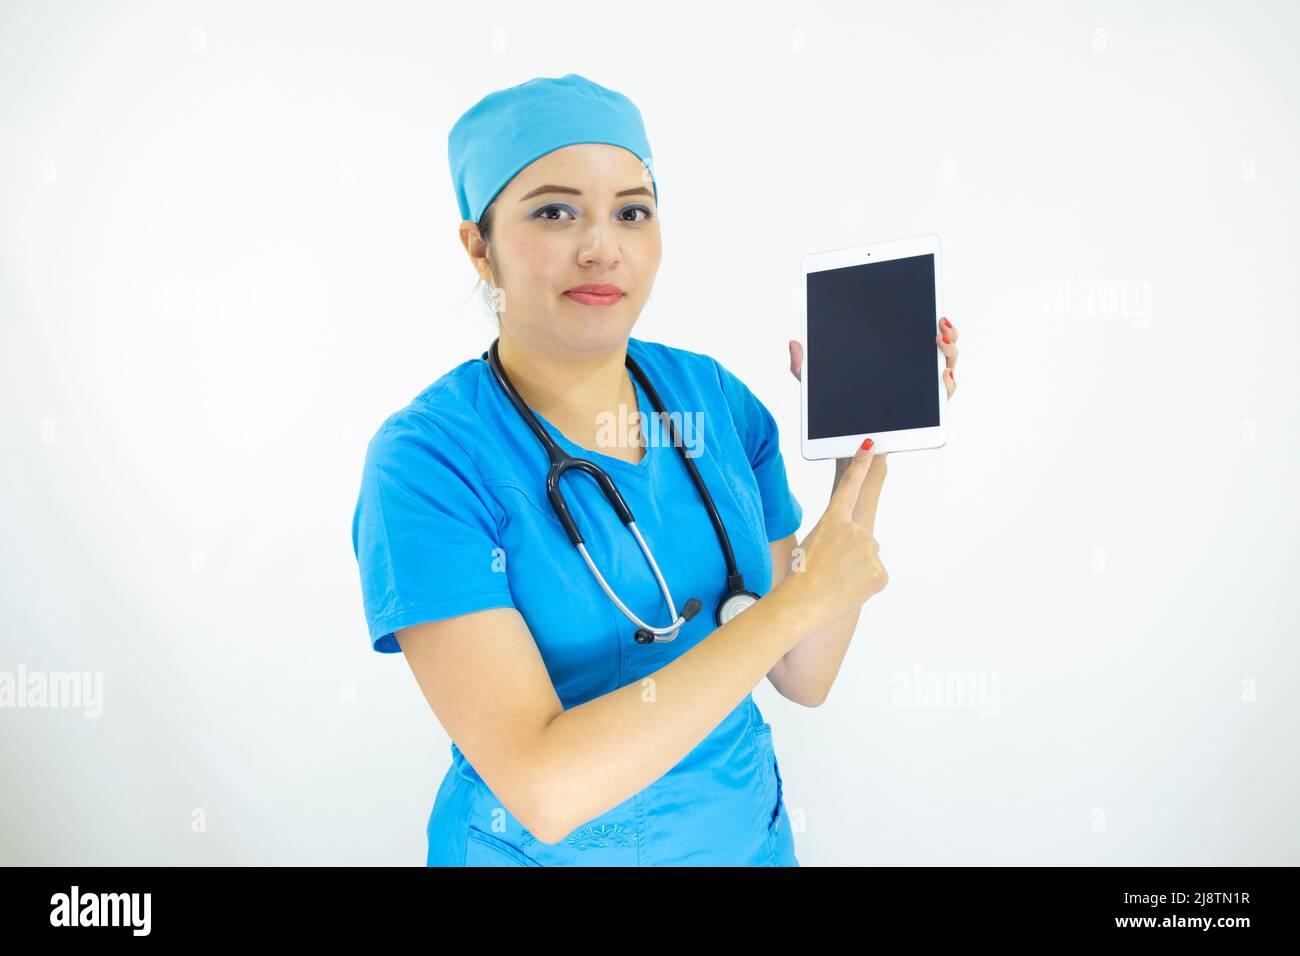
[[644, 636], [736, 598]]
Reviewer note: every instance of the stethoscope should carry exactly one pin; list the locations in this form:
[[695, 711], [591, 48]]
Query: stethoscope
[[736, 598]]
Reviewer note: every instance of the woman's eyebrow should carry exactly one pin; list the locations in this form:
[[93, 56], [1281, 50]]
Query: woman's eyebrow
[[639, 190]]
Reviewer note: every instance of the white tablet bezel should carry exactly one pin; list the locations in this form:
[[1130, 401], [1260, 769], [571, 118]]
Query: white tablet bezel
[[908, 439]]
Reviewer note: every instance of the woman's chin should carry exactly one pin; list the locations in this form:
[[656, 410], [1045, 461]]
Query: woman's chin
[[595, 330]]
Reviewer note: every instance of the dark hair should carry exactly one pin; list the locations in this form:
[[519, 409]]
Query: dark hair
[[485, 230], [485, 223]]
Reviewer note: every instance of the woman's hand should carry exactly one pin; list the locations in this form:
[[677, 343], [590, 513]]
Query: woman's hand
[[946, 341], [839, 568]]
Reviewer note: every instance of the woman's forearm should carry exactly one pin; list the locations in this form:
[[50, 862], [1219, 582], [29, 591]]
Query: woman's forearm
[[808, 670], [596, 755]]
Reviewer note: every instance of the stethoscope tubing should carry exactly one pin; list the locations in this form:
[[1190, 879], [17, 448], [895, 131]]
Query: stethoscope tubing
[[562, 462]]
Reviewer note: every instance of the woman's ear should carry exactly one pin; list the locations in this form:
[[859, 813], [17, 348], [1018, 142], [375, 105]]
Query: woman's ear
[[476, 248]]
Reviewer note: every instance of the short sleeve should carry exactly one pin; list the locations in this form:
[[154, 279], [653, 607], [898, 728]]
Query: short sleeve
[[424, 531], [782, 512]]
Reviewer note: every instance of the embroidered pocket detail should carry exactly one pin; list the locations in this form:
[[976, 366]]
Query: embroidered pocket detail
[[600, 837], [594, 837]]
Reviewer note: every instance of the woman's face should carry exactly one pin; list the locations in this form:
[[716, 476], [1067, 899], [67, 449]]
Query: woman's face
[[580, 214]]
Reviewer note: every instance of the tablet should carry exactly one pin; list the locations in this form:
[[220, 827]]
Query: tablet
[[870, 363]]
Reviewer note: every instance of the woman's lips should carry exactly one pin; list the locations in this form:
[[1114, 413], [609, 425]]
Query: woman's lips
[[591, 298]]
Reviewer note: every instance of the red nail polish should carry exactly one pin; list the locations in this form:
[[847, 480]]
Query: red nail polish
[[945, 341], [947, 323], [866, 444]]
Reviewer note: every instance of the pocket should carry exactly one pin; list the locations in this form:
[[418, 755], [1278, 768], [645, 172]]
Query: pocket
[[541, 505], [484, 849], [775, 825], [773, 788]]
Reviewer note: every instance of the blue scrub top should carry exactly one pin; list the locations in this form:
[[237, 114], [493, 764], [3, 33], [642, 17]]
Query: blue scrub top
[[453, 517]]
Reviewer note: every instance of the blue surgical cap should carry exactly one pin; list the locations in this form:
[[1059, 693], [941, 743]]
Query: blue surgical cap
[[506, 130]]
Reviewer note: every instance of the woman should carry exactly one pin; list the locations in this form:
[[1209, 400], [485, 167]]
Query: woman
[[575, 741]]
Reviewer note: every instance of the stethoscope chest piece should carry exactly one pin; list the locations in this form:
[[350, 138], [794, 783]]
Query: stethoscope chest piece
[[734, 603]]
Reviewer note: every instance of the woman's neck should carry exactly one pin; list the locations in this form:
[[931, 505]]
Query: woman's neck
[[575, 394]]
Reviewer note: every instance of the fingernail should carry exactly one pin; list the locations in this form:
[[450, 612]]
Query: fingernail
[[945, 341], [947, 323], [866, 444], [952, 376]]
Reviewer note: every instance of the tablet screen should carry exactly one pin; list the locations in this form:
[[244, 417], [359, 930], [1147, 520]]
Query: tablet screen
[[871, 331]]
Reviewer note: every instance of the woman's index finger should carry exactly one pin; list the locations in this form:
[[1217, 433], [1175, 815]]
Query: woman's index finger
[[864, 508], [845, 497]]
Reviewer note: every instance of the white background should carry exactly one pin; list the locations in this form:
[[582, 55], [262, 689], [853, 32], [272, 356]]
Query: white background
[[228, 250]]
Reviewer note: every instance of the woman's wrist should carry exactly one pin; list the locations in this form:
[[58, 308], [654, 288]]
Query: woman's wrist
[[800, 591]]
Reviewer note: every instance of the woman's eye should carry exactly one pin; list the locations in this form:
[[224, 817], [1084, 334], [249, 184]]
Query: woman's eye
[[643, 209], [543, 212]]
